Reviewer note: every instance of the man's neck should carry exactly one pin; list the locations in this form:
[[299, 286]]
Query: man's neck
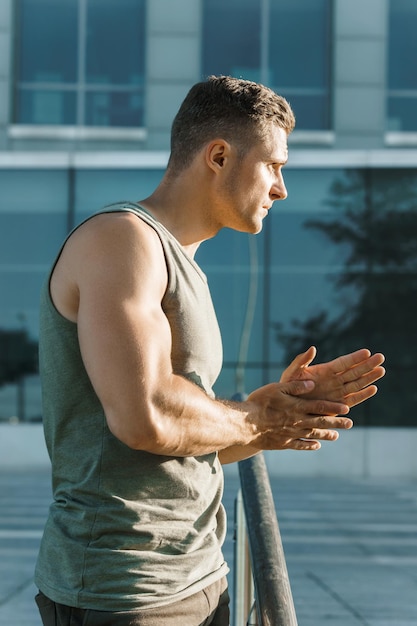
[[182, 212]]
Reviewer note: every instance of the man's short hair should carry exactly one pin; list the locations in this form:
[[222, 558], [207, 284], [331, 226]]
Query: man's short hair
[[239, 111]]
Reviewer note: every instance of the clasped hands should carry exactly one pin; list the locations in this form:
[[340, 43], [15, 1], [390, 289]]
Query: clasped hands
[[307, 404]]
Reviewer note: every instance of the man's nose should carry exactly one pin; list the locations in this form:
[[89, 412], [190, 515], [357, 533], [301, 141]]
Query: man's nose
[[278, 189]]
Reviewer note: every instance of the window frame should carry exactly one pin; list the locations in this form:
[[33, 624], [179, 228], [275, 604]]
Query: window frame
[[305, 136], [79, 130], [393, 138]]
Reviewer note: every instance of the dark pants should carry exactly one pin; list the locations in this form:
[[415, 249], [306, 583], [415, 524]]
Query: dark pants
[[210, 606]]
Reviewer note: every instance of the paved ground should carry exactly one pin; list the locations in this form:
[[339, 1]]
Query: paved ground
[[351, 547]]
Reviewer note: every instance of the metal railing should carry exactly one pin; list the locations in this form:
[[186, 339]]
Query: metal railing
[[262, 591]]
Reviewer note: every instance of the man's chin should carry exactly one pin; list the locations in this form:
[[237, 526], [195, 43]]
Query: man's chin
[[252, 229], [258, 225]]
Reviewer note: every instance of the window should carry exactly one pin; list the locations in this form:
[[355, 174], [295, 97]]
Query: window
[[282, 43], [402, 59], [231, 38], [80, 62], [299, 58], [32, 224]]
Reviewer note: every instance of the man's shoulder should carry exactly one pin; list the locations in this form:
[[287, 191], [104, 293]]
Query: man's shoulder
[[119, 226]]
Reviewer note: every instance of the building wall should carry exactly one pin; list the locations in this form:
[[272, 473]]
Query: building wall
[[361, 39], [5, 68], [173, 63], [49, 183]]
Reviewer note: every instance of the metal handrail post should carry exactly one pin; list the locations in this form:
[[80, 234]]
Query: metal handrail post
[[244, 591], [274, 601]]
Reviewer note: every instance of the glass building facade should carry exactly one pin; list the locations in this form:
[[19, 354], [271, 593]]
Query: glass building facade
[[336, 263], [402, 75], [72, 70], [248, 39]]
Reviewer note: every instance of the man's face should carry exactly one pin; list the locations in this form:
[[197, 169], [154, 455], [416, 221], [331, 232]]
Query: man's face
[[253, 182]]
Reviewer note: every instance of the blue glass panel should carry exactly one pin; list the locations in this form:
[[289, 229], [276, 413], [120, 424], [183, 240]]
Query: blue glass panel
[[312, 112], [30, 239], [402, 113], [51, 107], [230, 261], [114, 109], [231, 32], [33, 219], [96, 188], [402, 51], [342, 276], [33, 191], [298, 56], [299, 43], [359, 267], [303, 262], [115, 41], [48, 41], [20, 298], [225, 386]]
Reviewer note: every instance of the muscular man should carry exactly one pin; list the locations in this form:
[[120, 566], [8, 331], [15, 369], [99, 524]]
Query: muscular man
[[129, 352]]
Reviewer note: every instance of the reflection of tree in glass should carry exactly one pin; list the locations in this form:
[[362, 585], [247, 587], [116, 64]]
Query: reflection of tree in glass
[[18, 356], [374, 223]]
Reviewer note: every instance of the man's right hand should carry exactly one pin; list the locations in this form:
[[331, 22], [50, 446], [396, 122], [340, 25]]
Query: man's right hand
[[284, 419]]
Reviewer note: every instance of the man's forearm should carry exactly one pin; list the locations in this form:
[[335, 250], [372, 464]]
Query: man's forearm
[[237, 453], [179, 419]]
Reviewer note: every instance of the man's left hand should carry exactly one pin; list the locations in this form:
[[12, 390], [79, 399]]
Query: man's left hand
[[348, 379]]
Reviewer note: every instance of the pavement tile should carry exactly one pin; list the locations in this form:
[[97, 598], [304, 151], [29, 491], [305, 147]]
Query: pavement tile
[[350, 545]]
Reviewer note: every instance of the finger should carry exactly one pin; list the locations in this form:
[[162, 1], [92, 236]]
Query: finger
[[310, 438], [366, 378], [303, 444], [304, 359], [373, 364], [297, 387], [301, 361], [326, 408], [364, 394], [345, 362], [314, 407], [327, 434], [310, 441], [362, 382], [325, 422], [321, 433]]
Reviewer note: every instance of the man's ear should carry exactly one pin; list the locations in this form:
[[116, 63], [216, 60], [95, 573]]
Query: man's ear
[[217, 154]]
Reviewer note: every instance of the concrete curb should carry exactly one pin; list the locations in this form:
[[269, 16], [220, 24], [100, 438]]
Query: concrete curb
[[361, 452], [22, 446]]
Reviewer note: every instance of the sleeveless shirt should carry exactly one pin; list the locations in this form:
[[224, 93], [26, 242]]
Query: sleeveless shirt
[[128, 529]]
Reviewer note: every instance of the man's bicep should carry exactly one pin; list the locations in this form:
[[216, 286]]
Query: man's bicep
[[124, 335]]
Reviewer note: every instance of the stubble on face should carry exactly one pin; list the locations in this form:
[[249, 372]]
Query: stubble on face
[[246, 191]]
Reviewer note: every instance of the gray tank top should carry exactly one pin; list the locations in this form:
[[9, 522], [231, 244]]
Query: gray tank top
[[127, 528]]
